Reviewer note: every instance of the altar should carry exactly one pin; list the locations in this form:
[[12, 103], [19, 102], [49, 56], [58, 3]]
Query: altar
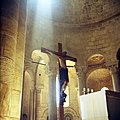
[[101, 105]]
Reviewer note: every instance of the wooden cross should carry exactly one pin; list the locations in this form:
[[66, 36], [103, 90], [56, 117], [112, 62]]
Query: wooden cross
[[61, 54]]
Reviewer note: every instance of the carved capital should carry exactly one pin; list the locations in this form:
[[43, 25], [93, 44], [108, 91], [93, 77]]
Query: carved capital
[[113, 68], [52, 66], [81, 70], [51, 70], [38, 87]]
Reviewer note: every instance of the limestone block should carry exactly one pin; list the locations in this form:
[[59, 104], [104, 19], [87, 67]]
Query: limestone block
[[15, 104], [7, 73], [4, 99]]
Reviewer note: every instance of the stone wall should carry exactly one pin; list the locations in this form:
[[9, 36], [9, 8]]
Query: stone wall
[[87, 40], [13, 31]]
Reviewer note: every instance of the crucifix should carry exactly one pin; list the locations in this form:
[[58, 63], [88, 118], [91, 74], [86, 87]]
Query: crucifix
[[63, 74]]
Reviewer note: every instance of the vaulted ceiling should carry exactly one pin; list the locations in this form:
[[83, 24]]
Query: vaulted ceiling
[[85, 27], [81, 12]]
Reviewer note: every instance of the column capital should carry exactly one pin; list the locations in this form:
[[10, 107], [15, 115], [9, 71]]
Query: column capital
[[52, 66], [81, 70], [113, 68], [51, 70], [38, 90]]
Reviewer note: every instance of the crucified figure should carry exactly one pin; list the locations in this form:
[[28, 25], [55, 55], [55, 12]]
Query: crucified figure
[[63, 74], [63, 71]]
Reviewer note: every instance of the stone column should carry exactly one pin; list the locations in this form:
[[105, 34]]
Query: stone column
[[9, 27], [115, 78], [52, 105], [82, 79], [38, 92], [31, 108], [13, 21], [20, 51]]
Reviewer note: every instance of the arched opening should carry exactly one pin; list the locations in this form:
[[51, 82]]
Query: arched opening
[[98, 76], [40, 61], [26, 100], [98, 79], [34, 88]]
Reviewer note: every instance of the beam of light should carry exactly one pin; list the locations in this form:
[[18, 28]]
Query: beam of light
[[44, 6], [40, 24], [45, 3], [57, 91]]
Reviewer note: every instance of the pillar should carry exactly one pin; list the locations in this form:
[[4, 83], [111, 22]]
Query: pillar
[[82, 78], [11, 55], [52, 105], [115, 78], [38, 92], [27, 94], [31, 106], [9, 26], [20, 52]]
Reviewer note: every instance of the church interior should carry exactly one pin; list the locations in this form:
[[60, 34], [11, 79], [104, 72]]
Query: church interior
[[87, 30]]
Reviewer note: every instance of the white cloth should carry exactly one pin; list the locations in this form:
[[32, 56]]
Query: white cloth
[[93, 106]]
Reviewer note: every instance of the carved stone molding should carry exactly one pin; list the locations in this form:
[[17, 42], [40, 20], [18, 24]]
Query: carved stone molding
[[80, 70], [71, 111], [113, 68], [51, 67], [50, 70]]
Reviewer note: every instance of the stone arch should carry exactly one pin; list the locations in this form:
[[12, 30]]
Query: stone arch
[[71, 111], [45, 114], [68, 116], [98, 76], [96, 59], [40, 60], [93, 52], [98, 79], [30, 71], [37, 56]]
